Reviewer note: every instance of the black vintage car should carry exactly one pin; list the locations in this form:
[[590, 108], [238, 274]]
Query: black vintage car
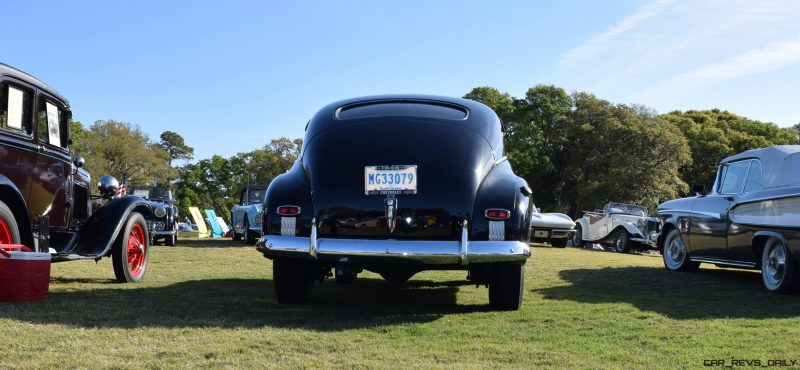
[[44, 194], [750, 219], [397, 185], [164, 223]]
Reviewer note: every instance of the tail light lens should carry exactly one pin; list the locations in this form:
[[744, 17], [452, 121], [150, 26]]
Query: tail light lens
[[497, 214], [288, 210]]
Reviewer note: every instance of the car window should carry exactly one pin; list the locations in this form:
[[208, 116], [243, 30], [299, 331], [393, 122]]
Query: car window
[[754, 177], [416, 109], [255, 196], [52, 124], [16, 107], [734, 178]]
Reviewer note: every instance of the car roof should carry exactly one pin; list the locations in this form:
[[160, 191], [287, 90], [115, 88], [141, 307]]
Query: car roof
[[7, 70], [778, 164]]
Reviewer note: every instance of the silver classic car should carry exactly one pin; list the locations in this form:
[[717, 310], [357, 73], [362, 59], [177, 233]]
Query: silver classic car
[[553, 228], [619, 225]]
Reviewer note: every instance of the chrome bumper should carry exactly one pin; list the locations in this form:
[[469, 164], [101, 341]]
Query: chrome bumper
[[393, 251]]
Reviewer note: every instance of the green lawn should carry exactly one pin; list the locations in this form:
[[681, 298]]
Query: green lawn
[[211, 304]]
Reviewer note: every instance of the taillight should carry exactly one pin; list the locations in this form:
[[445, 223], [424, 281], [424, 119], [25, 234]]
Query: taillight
[[288, 210], [497, 214]]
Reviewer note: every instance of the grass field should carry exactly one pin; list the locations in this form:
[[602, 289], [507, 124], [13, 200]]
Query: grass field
[[211, 304]]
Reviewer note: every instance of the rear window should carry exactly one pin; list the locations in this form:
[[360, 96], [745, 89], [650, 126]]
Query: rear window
[[402, 108]]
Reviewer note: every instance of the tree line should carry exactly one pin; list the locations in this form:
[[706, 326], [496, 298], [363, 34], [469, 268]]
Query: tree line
[[576, 151]]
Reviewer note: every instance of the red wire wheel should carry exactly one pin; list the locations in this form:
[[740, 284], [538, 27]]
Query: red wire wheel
[[131, 249], [5, 233], [137, 250]]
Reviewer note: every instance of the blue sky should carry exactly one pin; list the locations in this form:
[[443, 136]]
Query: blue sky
[[229, 76]]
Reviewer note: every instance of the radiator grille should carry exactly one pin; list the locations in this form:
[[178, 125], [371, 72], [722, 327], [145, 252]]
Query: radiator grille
[[80, 206]]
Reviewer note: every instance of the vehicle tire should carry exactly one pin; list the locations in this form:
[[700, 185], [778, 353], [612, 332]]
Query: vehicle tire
[[577, 238], [130, 250], [292, 280], [236, 236], [622, 244], [778, 267], [9, 230], [506, 286], [558, 243], [675, 255], [397, 276], [171, 240], [249, 237]]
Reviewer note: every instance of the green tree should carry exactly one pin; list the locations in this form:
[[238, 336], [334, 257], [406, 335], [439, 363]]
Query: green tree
[[174, 144], [79, 136], [714, 135], [124, 151]]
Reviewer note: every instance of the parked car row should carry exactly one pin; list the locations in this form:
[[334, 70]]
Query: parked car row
[[426, 188]]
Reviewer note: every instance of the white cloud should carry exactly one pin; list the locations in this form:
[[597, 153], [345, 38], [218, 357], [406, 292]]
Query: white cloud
[[602, 40], [759, 60]]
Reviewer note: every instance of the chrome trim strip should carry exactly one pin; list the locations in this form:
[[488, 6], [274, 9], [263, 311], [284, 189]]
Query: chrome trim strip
[[702, 213], [501, 160], [721, 261]]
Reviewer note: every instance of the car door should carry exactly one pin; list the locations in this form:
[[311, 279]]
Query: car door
[[17, 147], [51, 188], [740, 239], [708, 223]]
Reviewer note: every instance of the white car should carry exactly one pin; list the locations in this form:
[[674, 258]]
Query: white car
[[620, 226], [554, 228]]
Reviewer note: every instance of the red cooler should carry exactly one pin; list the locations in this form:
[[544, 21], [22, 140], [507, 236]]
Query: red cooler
[[24, 275]]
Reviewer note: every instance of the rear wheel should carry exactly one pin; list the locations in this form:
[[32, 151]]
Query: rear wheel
[[292, 279], [558, 243], [130, 250], [506, 286], [778, 268], [577, 238], [622, 244], [249, 236], [676, 257], [9, 231]]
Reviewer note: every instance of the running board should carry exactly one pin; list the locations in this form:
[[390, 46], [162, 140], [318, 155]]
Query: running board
[[719, 261], [70, 257]]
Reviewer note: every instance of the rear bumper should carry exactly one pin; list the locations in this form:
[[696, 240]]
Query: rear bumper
[[420, 252], [551, 233]]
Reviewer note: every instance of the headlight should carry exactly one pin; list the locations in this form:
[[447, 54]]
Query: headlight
[[641, 222], [160, 212]]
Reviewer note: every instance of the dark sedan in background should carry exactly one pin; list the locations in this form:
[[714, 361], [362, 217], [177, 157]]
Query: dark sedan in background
[[397, 185], [750, 219]]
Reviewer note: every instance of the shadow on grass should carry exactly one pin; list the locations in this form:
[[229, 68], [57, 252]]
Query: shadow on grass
[[706, 294], [209, 243], [248, 303]]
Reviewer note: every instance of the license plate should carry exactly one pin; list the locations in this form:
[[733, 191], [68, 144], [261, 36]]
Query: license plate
[[541, 234], [390, 180]]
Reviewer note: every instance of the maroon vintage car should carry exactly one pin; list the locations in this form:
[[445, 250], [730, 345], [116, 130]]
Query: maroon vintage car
[[44, 194]]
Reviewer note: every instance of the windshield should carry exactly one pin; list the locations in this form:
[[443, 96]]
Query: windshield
[[627, 209], [256, 196], [151, 193]]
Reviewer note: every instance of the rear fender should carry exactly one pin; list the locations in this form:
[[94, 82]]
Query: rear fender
[[502, 189], [12, 197], [290, 188], [97, 236]]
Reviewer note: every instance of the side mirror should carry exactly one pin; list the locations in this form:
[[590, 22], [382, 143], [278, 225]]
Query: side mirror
[[107, 186], [699, 190], [78, 161]]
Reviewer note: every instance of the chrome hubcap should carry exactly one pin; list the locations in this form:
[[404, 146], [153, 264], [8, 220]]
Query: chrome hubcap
[[675, 252], [775, 264]]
